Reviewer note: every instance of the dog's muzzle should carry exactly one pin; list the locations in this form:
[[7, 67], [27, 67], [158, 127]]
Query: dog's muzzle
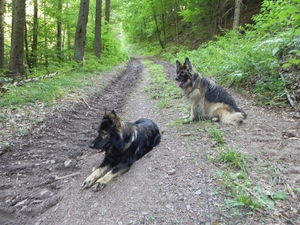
[[179, 81]]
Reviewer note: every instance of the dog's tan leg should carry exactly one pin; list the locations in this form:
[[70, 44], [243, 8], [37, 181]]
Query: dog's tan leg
[[102, 182], [90, 180], [192, 116]]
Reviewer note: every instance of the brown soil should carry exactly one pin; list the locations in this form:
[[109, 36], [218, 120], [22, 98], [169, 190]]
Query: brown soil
[[42, 171]]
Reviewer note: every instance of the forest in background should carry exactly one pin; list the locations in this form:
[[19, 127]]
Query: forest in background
[[39, 37], [251, 44]]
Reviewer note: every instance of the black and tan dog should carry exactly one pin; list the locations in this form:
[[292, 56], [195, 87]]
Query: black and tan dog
[[123, 143], [208, 99]]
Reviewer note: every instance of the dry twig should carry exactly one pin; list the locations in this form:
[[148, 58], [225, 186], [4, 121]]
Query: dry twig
[[86, 103], [69, 175]]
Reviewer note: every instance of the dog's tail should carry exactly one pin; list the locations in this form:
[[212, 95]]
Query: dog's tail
[[244, 114]]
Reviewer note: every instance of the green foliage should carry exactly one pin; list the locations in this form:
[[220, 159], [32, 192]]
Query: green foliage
[[45, 90], [217, 135], [233, 158], [239, 195], [47, 53], [278, 16], [67, 81], [252, 60], [199, 15], [241, 190], [49, 90]]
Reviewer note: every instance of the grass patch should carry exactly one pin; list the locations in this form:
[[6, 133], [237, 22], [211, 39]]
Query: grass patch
[[160, 87], [241, 190], [49, 90], [217, 135]]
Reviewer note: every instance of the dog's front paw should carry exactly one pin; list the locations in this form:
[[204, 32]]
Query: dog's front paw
[[87, 183], [98, 186]]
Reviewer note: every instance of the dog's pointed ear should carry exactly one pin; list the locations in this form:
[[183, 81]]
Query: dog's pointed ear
[[178, 64], [113, 113], [105, 115], [114, 118], [188, 64]]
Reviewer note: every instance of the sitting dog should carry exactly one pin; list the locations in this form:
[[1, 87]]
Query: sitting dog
[[208, 99]]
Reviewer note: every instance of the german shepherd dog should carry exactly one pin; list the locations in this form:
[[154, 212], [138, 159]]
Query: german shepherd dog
[[208, 99], [123, 144]]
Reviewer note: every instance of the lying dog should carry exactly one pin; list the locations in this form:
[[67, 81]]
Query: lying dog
[[123, 143], [208, 99]]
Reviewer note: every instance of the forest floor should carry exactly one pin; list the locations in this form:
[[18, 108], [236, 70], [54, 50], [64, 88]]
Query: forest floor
[[43, 169]]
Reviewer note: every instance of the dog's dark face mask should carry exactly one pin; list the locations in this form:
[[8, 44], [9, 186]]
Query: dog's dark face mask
[[182, 77], [108, 126], [183, 74], [102, 142]]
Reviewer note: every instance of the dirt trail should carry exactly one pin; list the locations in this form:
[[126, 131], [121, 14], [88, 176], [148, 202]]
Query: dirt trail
[[41, 175]]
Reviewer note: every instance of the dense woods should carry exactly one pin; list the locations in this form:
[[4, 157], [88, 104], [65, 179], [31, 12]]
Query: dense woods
[[185, 21], [39, 37], [51, 32]]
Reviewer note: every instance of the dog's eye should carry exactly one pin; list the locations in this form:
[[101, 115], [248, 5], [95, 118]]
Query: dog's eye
[[103, 133]]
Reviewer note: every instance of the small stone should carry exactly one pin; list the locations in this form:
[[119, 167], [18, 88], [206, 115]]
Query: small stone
[[199, 192], [170, 207], [188, 207], [67, 163], [171, 172]]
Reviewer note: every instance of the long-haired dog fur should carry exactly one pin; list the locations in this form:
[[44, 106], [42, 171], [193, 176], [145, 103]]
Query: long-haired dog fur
[[208, 100], [123, 144]]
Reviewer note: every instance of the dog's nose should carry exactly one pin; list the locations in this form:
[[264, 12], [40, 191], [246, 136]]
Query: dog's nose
[[92, 145], [177, 78]]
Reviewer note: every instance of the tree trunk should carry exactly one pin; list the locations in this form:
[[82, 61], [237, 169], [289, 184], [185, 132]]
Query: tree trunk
[[176, 22], [237, 12], [158, 30], [107, 11], [2, 34], [33, 55], [27, 52], [98, 32], [80, 34], [163, 18], [68, 33], [46, 43], [59, 31], [16, 66]]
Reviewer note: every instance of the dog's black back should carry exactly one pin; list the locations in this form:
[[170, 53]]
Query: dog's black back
[[133, 142], [149, 140], [215, 93]]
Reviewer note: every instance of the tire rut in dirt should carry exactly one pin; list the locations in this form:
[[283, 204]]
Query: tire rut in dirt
[[28, 186]]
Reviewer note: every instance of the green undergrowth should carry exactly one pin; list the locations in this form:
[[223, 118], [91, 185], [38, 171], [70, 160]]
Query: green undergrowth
[[241, 189], [263, 58], [68, 80]]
